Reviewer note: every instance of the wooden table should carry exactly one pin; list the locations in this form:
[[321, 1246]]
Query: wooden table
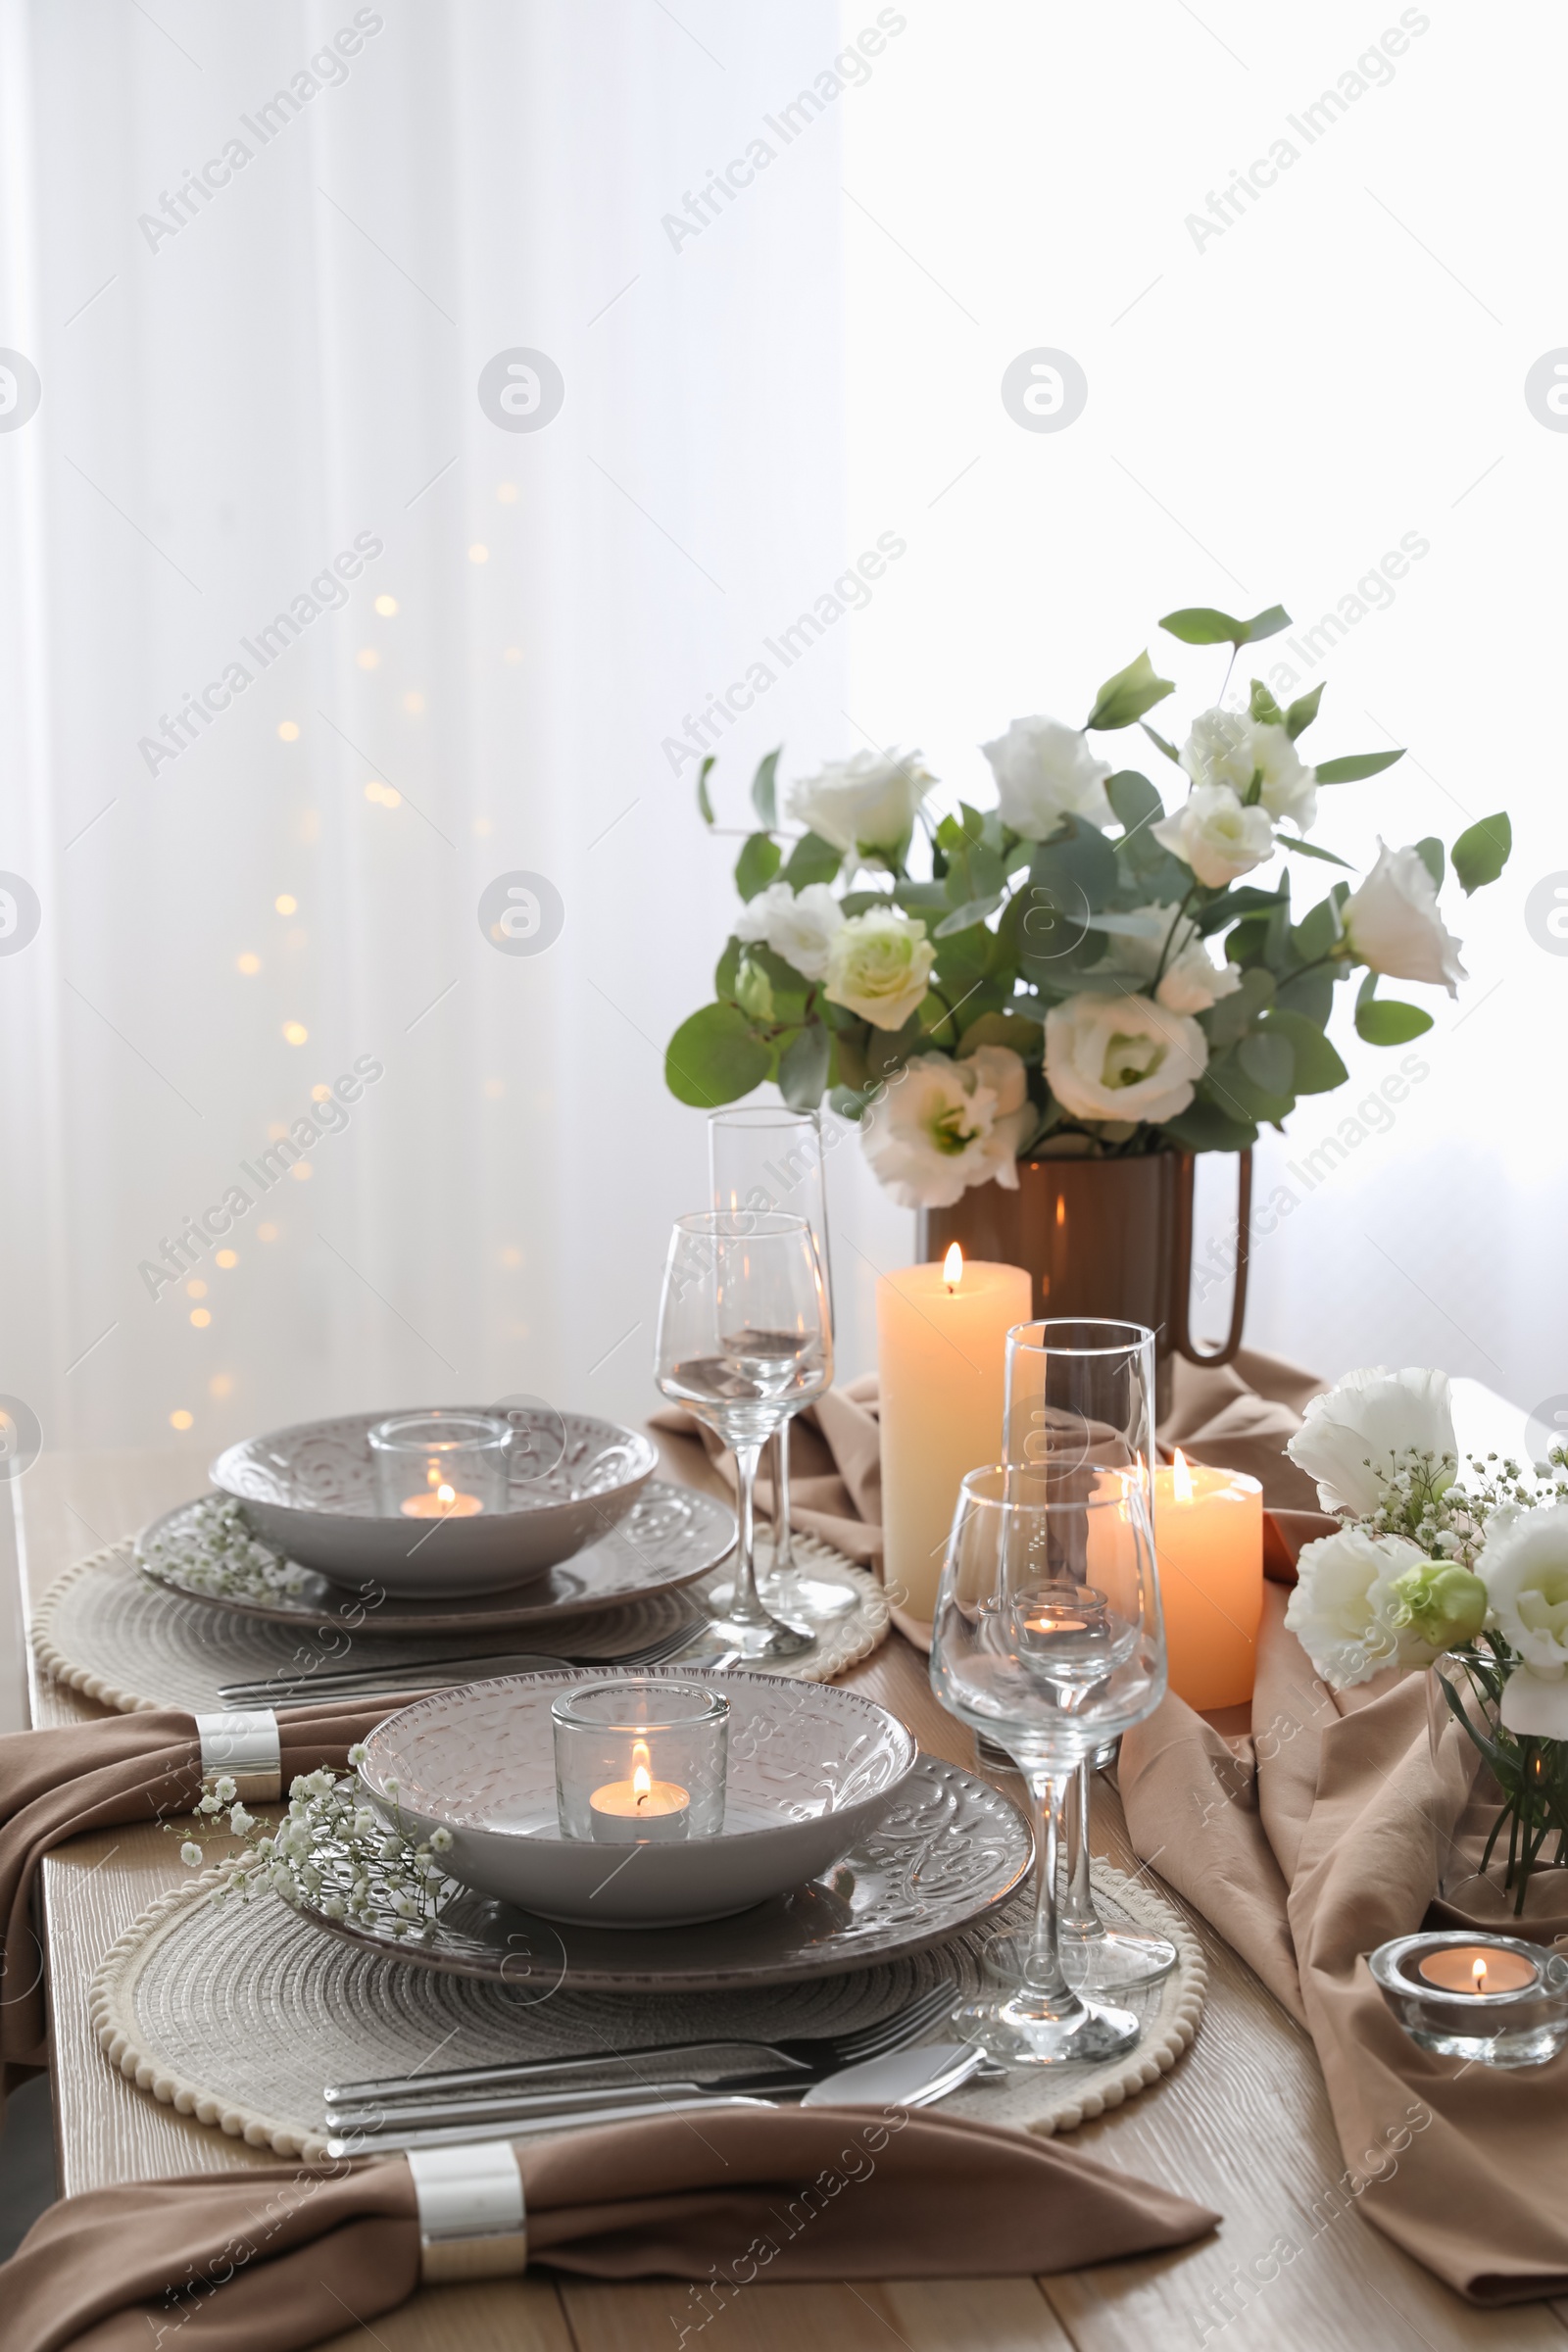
[[1242, 2124]]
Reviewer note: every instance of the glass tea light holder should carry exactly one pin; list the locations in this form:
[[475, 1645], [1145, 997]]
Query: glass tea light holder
[[1494, 1999], [640, 1761], [441, 1465]]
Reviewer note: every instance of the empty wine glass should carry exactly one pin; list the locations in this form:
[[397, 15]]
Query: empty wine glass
[[762, 1157], [1086, 1384], [743, 1342], [1047, 1639]]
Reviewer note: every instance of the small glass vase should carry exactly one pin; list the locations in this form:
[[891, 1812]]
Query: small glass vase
[[1508, 1857]]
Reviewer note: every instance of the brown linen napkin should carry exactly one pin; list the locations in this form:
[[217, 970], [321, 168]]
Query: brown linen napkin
[[1307, 1845], [1236, 1416], [56, 1784], [271, 2260]]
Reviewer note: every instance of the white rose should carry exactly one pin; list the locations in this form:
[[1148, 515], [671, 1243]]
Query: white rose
[[943, 1125], [1354, 1438], [1524, 1566], [1122, 1057], [1227, 747], [878, 965], [798, 926], [865, 804], [1216, 836], [1337, 1608], [1046, 771], [1190, 981], [1394, 925]]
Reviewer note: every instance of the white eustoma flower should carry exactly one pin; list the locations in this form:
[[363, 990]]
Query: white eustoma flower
[[1524, 1566], [943, 1125], [1354, 1439], [1392, 923], [1216, 836], [1046, 771], [867, 804], [878, 965], [1337, 1607], [1227, 747], [1122, 1057], [1145, 936], [797, 925]]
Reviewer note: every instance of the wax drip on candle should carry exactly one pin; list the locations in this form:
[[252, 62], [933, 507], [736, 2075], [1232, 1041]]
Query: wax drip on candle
[[953, 1267]]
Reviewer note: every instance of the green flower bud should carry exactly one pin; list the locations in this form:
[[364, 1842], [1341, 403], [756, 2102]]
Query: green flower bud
[[754, 992], [1440, 1604]]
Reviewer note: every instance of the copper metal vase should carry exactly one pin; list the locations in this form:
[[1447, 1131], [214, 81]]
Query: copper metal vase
[[1109, 1238]]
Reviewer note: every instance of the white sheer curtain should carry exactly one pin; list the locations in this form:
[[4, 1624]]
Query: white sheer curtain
[[243, 382]]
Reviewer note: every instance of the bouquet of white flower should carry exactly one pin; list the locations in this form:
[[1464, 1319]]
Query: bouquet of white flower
[[1050, 977], [1471, 1579]]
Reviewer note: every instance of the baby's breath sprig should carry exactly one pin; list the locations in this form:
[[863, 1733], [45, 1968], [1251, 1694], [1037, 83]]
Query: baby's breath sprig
[[331, 1852], [213, 1549], [1424, 1501]]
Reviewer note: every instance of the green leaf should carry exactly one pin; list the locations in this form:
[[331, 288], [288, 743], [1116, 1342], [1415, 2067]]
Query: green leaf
[[1310, 994], [803, 1066], [1134, 798], [704, 807], [1079, 862], [759, 862], [765, 792], [964, 918], [1312, 849], [918, 898], [713, 1057], [1430, 853], [1358, 765], [1318, 933], [1481, 851], [727, 969], [1200, 624], [1230, 1017], [1302, 712], [812, 860], [1160, 743], [1269, 1057], [1387, 1022], [1125, 698], [1203, 1127], [1230, 1084], [1026, 1036], [1262, 706], [1248, 900], [1318, 1068]]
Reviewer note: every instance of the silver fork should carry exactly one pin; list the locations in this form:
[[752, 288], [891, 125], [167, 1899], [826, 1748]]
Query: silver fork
[[366, 1682], [530, 2084]]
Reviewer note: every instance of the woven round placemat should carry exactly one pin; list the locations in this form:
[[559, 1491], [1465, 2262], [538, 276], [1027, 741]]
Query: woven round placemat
[[108, 1631], [239, 2013]]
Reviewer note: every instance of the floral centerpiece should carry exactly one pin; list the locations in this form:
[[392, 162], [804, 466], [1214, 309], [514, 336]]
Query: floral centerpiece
[[1469, 1578], [1048, 984]]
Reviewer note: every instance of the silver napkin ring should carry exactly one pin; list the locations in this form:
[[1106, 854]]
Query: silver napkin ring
[[245, 1746], [471, 2219]]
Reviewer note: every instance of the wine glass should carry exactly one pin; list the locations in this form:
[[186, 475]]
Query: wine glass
[[1081, 1383], [1049, 1638], [743, 1342], [761, 1158]]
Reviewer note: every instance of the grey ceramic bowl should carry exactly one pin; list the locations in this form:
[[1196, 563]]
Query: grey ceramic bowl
[[311, 1490], [812, 1770]]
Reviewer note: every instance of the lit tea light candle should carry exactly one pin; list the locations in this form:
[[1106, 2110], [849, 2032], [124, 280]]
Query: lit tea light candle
[[641, 1811], [1208, 1537], [444, 1502], [1478, 1968]]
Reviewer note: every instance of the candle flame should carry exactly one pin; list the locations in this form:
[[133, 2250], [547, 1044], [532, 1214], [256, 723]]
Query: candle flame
[[1180, 1478], [446, 1495], [641, 1780], [953, 1267], [433, 1476], [1479, 1972]]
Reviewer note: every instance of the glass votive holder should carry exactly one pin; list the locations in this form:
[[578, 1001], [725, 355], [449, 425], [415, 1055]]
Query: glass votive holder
[[1495, 1999], [441, 1465], [640, 1761]]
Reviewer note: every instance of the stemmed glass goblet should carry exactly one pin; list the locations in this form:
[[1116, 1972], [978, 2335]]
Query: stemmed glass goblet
[[743, 1342]]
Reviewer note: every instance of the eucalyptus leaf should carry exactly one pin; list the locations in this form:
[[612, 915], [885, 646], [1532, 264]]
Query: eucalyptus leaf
[[727, 967], [764, 791], [1205, 1127], [1230, 1017], [1385, 1021], [1269, 1057], [1355, 767], [1430, 851], [1133, 798], [919, 898], [1248, 900], [1302, 712], [803, 1066], [1312, 849], [1160, 745], [1124, 697], [1229, 1083], [1202, 624], [1310, 994], [713, 1057], [1026, 1037], [1481, 851], [963, 919], [1317, 933], [812, 860], [758, 864], [1319, 1070], [704, 807], [1080, 863]]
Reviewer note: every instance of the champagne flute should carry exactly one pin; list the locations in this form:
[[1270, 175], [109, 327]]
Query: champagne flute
[[1049, 1638], [743, 1342], [1071, 1382], [761, 1158]]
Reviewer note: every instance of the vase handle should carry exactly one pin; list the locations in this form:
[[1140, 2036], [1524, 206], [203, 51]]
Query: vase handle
[[1184, 1175]]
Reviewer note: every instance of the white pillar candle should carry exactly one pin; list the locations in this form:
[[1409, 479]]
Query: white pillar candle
[[942, 1333]]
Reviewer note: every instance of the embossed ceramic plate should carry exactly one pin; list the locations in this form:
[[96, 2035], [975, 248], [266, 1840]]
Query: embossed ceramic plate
[[948, 1851], [670, 1536], [311, 1490]]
